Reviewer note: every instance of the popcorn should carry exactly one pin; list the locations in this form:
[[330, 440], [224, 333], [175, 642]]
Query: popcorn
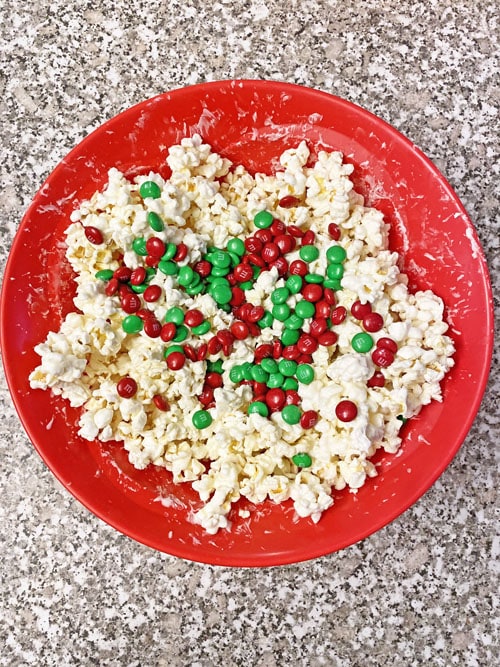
[[205, 203]]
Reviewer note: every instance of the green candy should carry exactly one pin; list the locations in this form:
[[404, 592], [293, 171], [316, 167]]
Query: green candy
[[263, 219], [309, 253], [235, 259], [332, 284], [181, 334], [266, 320], [335, 271], [201, 419], [202, 328], [287, 367], [221, 294], [258, 407], [290, 383], [302, 460], [139, 289], [275, 380], [294, 322], [170, 251], [247, 370], [362, 342], [236, 374], [304, 373], [259, 374], [220, 271], [280, 295], [236, 246], [173, 348], [290, 336], [221, 259], [168, 268], [175, 315], [139, 246], [291, 414], [336, 254], [155, 222], [150, 189], [193, 289], [281, 311], [185, 276], [314, 278], [305, 309], [215, 366], [248, 284], [132, 324], [294, 284], [269, 365], [105, 274]]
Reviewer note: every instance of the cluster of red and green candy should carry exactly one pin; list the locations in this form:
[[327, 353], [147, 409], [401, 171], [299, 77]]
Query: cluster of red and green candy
[[226, 274]]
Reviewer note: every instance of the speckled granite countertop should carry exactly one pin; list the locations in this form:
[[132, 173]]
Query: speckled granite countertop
[[420, 591]]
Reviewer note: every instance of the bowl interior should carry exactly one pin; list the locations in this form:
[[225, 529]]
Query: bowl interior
[[251, 122]]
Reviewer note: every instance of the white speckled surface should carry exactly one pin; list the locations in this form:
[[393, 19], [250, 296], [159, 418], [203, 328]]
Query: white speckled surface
[[421, 591]]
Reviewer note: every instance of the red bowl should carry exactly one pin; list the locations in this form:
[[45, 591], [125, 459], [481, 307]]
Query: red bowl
[[250, 122]]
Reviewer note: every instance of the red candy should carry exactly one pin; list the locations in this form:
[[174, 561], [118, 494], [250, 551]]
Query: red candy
[[126, 387], [181, 253], [334, 231], [130, 302], [253, 244], [152, 327], [190, 352], [318, 326], [373, 322], [238, 296], [213, 380], [138, 276], [155, 246], [263, 235], [376, 380], [338, 315], [161, 403], [214, 345], [270, 252], [388, 344], [323, 309], [277, 228], [298, 268], [168, 331], [243, 272], [309, 419], [255, 314], [203, 268], [152, 293], [202, 352], [123, 274], [295, 231], [360, 310], [175, 361], [112, 287], [275, 399], [307, 344], [281, 264], [312, 292], [292, 397], [328, 338], [309, 237], [263, 351], [193, 317], [240, 330], [346, 411], [93, 235], [285, 243], [289, 201], [291, 352], [206, 396], [382, 356]]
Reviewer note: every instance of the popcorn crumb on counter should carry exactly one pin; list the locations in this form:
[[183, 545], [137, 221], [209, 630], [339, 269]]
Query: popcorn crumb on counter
[[252, 334]]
